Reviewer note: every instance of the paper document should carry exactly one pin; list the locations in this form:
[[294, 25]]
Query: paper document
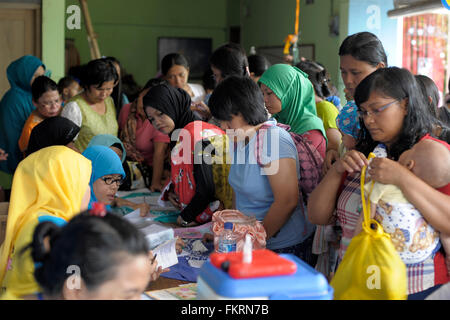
[[145, 196], [157, 234], [166, 254], [139, 222]]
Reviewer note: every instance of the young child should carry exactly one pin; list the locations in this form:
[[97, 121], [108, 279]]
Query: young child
[[327, 238], [47, 101], [412, 236], [68, 87], [348, 123]]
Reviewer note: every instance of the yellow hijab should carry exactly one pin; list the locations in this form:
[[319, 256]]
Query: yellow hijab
[[51, 181]]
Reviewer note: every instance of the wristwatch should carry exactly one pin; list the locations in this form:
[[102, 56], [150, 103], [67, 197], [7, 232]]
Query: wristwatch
[[183, 223]]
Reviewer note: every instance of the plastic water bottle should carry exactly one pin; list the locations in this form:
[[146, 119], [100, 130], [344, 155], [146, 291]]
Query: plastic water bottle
[[227, 240]]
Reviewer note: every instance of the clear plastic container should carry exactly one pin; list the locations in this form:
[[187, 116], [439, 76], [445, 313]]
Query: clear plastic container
[[227, 240]]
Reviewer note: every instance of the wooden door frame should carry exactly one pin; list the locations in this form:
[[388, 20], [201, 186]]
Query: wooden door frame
[[37, 8]]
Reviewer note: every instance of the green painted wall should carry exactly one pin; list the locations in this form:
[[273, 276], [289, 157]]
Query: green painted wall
[[233, 9], [132, 37], [268, 22], [53, 24], [129, 30]]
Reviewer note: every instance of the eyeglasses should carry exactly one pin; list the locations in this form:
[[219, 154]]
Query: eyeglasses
[[109, 181], [51, 103], [376, 112]]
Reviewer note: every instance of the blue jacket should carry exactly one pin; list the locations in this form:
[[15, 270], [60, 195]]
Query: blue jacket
[[15, 108]]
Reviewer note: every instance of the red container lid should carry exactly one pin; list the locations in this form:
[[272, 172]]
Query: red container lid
[[265, 263]]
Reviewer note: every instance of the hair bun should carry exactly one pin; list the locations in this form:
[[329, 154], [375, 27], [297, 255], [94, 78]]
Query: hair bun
[[42, 238]]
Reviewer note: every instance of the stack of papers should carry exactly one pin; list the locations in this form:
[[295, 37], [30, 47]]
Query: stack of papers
[[156, 234]]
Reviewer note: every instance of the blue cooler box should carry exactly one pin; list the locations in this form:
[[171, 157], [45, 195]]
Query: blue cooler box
[[305, 284]]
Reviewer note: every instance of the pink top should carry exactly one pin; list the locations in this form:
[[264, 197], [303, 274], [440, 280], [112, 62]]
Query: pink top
[[146, 134]]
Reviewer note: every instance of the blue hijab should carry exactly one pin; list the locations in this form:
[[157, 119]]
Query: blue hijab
[[104, 161], [107, 140], [15, 108]]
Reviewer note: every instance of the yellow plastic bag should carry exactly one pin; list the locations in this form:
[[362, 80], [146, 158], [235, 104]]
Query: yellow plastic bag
[[371, 268]]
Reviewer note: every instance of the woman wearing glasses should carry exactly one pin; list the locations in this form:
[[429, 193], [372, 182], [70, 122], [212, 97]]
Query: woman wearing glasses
[[393, 114], [107, 176]]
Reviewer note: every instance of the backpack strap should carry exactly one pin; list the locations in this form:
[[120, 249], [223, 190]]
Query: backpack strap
[[260, 141]]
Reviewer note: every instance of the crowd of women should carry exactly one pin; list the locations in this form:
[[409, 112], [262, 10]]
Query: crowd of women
[[270, 141]]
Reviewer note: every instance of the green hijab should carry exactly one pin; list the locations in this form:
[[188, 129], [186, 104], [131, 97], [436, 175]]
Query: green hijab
[[298, 106]]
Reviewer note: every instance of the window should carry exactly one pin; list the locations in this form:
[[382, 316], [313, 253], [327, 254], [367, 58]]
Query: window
[[425, 47]]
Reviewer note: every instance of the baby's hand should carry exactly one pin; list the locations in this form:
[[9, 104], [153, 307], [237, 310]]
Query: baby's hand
[[348, 95], [3, 155]]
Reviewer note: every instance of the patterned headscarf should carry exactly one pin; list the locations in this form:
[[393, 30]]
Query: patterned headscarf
[[348, 121]]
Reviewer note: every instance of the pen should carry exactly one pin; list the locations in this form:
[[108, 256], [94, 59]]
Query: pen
[[154, 257]]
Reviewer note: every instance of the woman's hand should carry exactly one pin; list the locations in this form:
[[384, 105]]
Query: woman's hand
[[137, 156], [330, 157], [387, 171], [208, 237], [145, 208], [181, 222], [179, 245], [173, 198], [202, 109], [155, 271], [188, 89], [352, 161], [156, 186]]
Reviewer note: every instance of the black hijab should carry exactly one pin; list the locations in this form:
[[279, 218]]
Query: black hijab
[[174, 102], [52, 132]]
